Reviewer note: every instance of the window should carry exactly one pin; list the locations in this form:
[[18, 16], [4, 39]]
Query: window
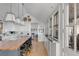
[[34, 28]]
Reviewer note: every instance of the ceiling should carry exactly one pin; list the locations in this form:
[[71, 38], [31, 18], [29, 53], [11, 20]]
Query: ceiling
[[41, 11]]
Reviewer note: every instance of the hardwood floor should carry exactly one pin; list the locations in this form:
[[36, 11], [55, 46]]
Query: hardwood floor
[[38, 49]]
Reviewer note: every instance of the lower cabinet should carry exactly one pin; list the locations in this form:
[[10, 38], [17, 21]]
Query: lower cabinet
[[53, 48]]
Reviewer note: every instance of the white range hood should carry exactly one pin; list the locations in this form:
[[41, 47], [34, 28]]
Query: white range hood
[[10, 17]]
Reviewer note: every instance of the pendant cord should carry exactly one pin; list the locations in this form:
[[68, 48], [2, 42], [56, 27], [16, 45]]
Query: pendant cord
[[22, 9], [10, 7], [18, 9]]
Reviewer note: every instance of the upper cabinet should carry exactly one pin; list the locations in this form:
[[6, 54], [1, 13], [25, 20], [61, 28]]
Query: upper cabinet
[[55, 25], [72, 26], [1, 27], [50, 26]]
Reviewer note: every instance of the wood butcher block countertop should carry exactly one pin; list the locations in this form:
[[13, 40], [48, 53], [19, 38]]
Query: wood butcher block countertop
[[12, 44]]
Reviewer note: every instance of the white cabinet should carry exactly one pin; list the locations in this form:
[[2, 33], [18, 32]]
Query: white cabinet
[[8, 26], [51, 48]]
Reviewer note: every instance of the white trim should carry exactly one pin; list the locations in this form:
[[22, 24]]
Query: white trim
[[75, 45]]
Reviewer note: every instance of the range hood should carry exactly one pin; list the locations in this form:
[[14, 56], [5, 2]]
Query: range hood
[[10, 17]]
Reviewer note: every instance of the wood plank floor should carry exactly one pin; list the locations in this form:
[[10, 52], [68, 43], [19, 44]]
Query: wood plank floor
[[38, 49]]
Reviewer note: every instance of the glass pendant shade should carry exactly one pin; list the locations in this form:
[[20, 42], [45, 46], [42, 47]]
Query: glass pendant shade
[[29, 18], [25, 19]]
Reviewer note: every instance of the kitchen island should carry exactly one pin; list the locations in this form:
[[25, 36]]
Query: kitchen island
[[12, 47]]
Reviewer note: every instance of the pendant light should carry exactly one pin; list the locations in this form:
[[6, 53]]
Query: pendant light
[[29, 18], [10, 16], [18, 18], [24, 18]]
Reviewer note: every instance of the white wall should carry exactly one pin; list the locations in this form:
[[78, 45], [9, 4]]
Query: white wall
[[77, 29], [78, 26]]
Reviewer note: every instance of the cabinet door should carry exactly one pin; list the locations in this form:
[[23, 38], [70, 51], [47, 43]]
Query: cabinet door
[[48, 48], [1, 27], [53, 49]]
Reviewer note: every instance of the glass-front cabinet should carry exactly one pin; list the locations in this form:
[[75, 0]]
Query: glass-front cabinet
[[77, 26], [72, 26], [55, 25]]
